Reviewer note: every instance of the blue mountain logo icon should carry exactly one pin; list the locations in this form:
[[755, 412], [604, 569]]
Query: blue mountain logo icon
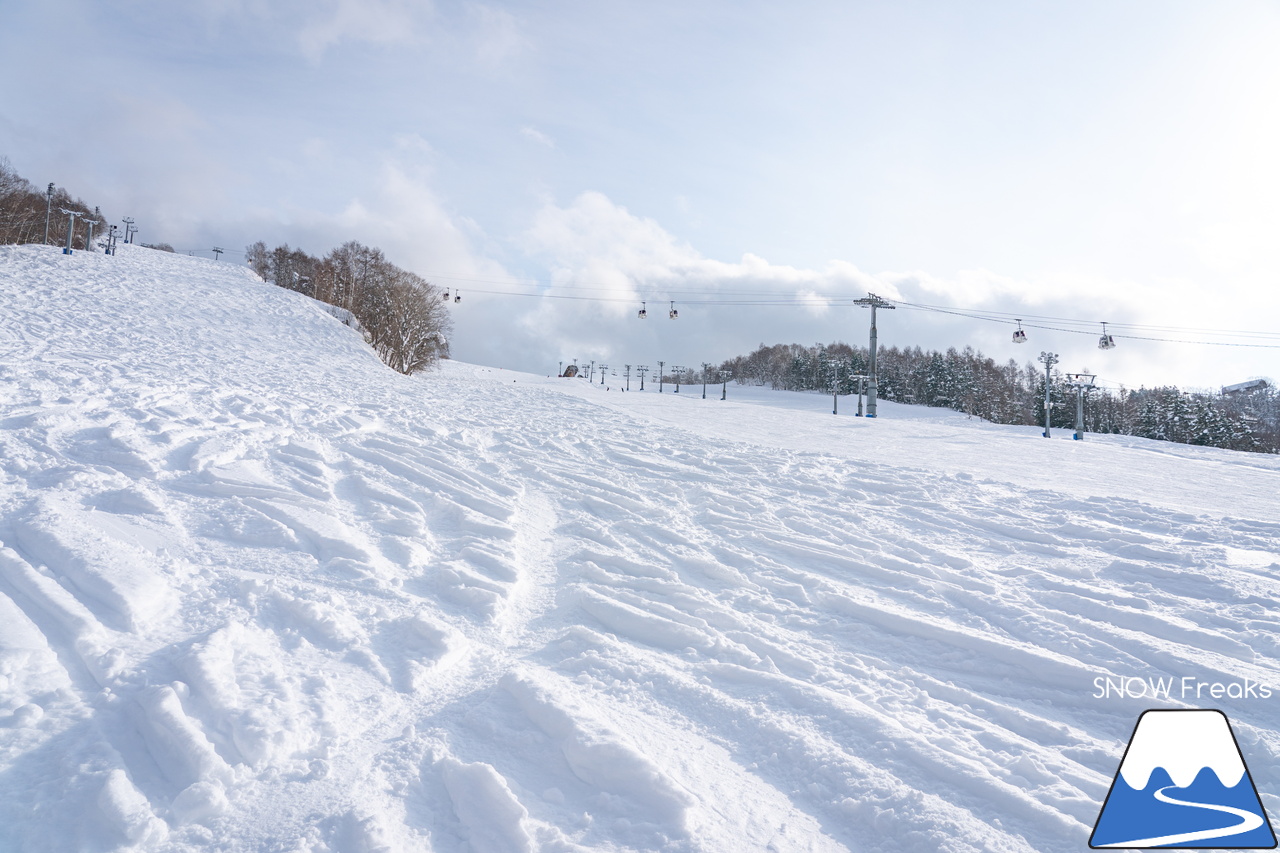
[[1183, 783]]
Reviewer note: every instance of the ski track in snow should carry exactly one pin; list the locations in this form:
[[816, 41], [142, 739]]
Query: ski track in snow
[[258, 592]]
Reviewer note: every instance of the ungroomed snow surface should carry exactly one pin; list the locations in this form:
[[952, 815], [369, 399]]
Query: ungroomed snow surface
[[260, 593]]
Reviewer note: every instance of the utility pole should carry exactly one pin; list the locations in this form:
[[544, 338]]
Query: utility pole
[[216, 252], [660, 364], [628, 370], [48, 210], [128, 229], [642, 369], [873, 302], [1083, 382], [71, 227], [1049, 359]]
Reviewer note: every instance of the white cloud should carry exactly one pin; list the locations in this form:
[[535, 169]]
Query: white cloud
[[603, 251], [408, 220], [813, 302], [537, 136], [594, 241], [498, 36], [598, 249], [377, 21]]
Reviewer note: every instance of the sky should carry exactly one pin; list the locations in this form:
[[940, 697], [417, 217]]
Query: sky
[[562, 163]]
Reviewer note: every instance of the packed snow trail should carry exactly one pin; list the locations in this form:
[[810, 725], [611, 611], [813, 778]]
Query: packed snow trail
[[259, 592]]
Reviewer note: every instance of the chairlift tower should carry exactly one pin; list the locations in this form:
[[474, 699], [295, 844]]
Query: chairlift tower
[[861, 378], [725, 376], [660, 365], [88, 243], [1082, 382], [627, 369], [642, 369], [1049, 359], [48, 211], [603, 368], [679, 373], [873, 302], [705, 368], [216, 252], [833, 365], [129, 230], [71, 227]]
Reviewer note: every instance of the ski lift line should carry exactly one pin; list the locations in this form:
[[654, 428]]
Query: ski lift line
[[721, 303], [796, 301], [994, 316], [834, 301], [769, 298], [1047, 328], [1000, 317], [632, 301], [989, 316], [764, 298], [544, 283]]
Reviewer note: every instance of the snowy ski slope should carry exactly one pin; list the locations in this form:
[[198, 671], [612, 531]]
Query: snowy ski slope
[[259, 593]]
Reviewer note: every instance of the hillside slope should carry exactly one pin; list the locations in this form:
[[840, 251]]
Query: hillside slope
[[258, 592]]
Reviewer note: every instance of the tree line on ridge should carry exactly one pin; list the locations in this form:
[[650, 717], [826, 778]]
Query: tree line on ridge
[[1009, 393]]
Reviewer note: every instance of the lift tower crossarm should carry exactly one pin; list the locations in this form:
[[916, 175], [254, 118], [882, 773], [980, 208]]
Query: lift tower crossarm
[[873, 302]]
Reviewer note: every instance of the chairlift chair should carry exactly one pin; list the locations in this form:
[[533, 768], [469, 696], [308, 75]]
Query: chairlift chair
[[1106, 341], [457, 297], [642, 313], [1019, 337], [673, 313], [446, 295]]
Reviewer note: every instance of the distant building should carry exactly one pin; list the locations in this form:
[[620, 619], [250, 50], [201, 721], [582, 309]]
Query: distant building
[[1246, 387]]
